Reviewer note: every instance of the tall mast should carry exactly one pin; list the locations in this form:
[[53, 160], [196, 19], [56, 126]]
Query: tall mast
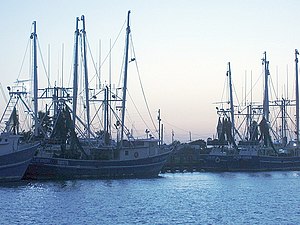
[[109, 90], [35, 78], [297, 96], [159, 133], [231, 99], [162, 134], [99, 70], [106, 120], [86, 77], [283, 116], [75, 72], [125, 77], [266, 109]]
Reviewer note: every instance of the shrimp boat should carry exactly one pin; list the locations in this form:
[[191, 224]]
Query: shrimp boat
[[15, 153], [261, 149], [14, 157], [71, 149]]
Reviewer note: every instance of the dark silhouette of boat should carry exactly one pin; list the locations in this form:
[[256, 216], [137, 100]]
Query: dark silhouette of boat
[[14, 157], [70, 149], [255, 149]]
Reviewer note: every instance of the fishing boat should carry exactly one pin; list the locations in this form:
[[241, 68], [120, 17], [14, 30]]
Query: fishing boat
[[259, 149], [71, 149], [14, 157], [15, 153]]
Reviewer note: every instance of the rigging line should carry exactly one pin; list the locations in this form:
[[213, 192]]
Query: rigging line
[[251, 89], [96, 113], [100, 66], [131, 121], [115, 114], [123, 60], [141, 84], [23, 58], [47, 75], [81, 60], [95, 67], [175, 126], [70, 76], [236, 95], [273, 88], [117, 38], [223, 92], [122, 67], [138, 110]]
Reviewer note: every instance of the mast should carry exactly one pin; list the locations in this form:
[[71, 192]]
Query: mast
[[159, 130], [109, 94], [297, 96], [231, 100], [125, 77], [162, 134], [75, 72], [106, 116], [283, 121], [99, 69], [87, 104], [35, 78], [266, 109]]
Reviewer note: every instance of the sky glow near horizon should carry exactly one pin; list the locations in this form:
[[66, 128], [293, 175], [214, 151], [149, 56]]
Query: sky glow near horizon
[[182, 49]]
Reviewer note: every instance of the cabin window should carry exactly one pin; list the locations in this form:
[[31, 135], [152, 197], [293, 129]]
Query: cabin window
[[5, 140], [126, 152]]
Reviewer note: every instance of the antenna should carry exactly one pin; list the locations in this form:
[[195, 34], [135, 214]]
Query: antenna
[[99, 69], [48, 65], [62, 65], [245, 87], [287, 81]]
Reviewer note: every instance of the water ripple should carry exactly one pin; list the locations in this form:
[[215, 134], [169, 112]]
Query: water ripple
[[183, 198]]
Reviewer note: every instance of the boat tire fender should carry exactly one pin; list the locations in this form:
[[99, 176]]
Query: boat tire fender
[[136, 155], [217, 160]]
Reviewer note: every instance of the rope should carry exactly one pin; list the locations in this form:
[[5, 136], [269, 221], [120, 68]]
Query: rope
[[175, 126], [137, 109], [141, 84], [115, 41], [95, 67], [253, 86], [23, 59], [47, 75]]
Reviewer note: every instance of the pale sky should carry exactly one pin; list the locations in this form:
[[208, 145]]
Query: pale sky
[[182, 48]]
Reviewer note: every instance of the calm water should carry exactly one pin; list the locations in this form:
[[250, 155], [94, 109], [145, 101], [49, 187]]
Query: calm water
[[182, 198]]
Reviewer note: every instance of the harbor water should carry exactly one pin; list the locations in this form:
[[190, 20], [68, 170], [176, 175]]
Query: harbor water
[[179, 198]]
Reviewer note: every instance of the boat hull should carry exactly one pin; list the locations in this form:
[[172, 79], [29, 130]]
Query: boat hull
[[13, 165], [249, 163], [59, 168]]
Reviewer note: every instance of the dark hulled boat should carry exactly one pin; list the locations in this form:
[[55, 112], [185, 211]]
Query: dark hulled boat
[[257, 151], [249, 162], [136, 162], [71, 150], [14, 157]]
